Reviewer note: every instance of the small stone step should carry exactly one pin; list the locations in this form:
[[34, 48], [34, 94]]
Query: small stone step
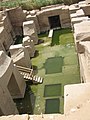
[[41, 80]]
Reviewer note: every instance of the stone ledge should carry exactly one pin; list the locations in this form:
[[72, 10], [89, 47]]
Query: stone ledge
[[15, 117]]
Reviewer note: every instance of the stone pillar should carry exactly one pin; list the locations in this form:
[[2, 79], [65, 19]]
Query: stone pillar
[[30, 30], [29, 45]]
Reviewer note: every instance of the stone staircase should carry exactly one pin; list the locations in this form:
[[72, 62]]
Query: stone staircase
[[28, 75]]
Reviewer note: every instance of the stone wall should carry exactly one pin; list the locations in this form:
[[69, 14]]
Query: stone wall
[[35, 19], [44, 14], [86, 9], [29, 29], [87, 1], [7, 35], [17, 17]]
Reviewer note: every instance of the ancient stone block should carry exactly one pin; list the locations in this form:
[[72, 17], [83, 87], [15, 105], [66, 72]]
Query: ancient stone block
[[20, 55], [30, 30], [29, 45]]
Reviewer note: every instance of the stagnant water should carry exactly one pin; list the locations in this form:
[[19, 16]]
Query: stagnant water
[[57, 63]]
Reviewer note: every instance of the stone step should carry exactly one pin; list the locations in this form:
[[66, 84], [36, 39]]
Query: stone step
[[35, 79]]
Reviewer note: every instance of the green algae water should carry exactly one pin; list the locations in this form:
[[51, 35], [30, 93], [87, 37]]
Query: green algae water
[[57, 63]]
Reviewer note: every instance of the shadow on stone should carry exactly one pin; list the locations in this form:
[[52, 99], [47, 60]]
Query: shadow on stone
[[35, 69], [26, 105], [36, 53], [40, 41]]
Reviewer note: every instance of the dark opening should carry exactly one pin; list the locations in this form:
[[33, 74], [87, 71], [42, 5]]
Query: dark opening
[[54, 21]]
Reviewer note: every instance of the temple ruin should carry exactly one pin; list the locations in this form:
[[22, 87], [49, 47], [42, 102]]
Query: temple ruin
[[17, 68]]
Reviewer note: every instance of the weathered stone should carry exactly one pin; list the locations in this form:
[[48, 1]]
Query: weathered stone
[[11, 79], [33, 12], [35, 19], [78, 20], [20, 55], [43, 17], [29, 44], [80, 30], [7, 34], [73, 8], [74, 98], [17, 16], [87, 1], [15, 117], [30, 30], [7, 105]]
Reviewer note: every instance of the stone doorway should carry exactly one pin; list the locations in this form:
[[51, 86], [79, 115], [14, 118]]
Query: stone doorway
[[54, 21]]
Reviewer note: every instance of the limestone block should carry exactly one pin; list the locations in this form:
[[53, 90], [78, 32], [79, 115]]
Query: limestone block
[[15, 48], [65, 19], [30, 30], [17, 85], [15, 117], [80, 13], [35, 19], [33, 12], [81, 30], [7, 34], [62, 11], [7, 105], [11, 78], [73, 8], [86, 9], [78, 20], [25, 12], [5, 38], [18, 30], [73, 99], [22, 60], [16, 16], [6, 67], [86, 45], [20, 55], [7, 24], [29, 44], [87, 1]]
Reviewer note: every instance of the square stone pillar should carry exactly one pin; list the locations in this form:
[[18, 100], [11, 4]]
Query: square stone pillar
[[30, 30]]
